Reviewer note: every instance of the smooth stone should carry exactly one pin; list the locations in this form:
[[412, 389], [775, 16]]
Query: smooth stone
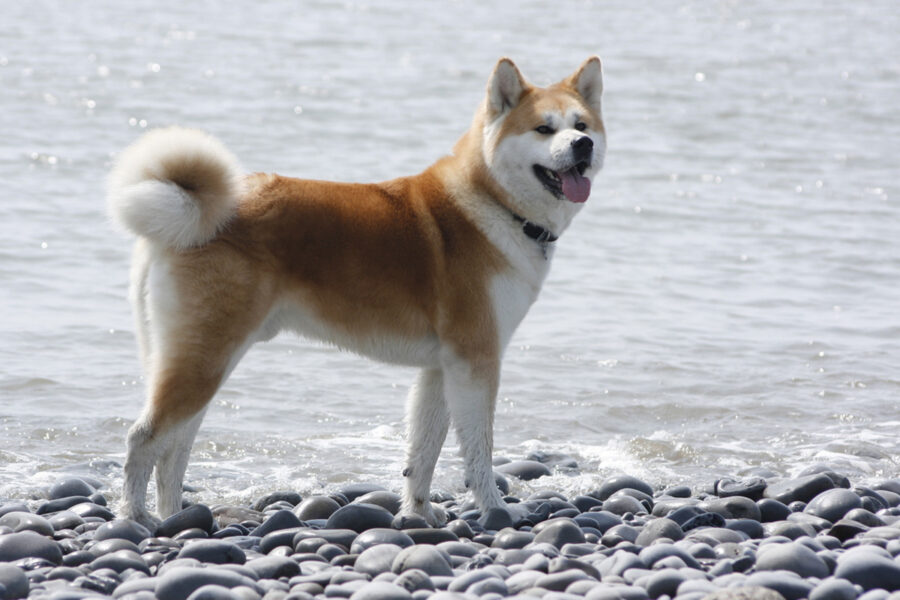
[[59, 504], [13, 582], [120, 561], [846, 529], [359, 517], [734, 507], [71, 486], [787, 583], [659, 528], [381, 590], [464, 581], [124, 529], [373, 537], [89, 509], [794, 557], [609, 591], [665, 581], [618, 563], [526, 470], [354, 490], [622, 504], [196, 516], [217, 552], [801, 489], [678, 491], [459, 528], [706, 519], [432, 536], [376, 559], [402, 521], [562, 563], [600, 520], [750, 527], [834, 588], [389, 501], [427, 558], [316, 507], [789, 529], [558, 582], [586, 503], [28, 544], [26, 521], [495, 519], [273, 567], [179, 583], [652, 554], [510, 538], [771, 510], [521, 581], [281, 519], [292, 498], [619, 482], [832, 505], [747, 487], [214, 592], [342, 537], [869, 568], [413, 580], [864, 517], [745, 592], [226, 515], [558, 532]]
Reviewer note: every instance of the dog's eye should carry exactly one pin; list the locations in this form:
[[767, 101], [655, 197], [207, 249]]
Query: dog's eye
[[580, 126], [545, 130]]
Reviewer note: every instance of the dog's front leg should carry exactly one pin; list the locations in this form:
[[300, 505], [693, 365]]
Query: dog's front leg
[[427, 421], [470, 388]]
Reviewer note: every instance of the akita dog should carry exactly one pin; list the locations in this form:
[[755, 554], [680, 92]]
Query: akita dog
[[435, 270]]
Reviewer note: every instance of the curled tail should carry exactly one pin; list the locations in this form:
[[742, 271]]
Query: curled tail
[[177, 187]]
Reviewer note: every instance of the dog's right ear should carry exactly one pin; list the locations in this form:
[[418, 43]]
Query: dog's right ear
[[504, 89]]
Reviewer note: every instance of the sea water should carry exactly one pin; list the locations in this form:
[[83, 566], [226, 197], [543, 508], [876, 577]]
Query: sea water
[[726, 301]]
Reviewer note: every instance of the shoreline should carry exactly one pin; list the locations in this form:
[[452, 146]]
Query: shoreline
[[814, 536]]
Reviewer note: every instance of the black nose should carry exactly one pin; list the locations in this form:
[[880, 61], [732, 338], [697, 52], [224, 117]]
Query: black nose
[[582, 148]]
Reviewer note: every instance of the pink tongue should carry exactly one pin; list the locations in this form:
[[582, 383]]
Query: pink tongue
[[574, 186]]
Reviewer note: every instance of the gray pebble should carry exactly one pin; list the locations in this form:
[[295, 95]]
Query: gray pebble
[[745, 592], [560, 581], [217, 552], [13, 582], [373, 537], [794, 557], [620, 482], [870, 567], [292, 498], [659, 528], [734, 507], [122, 529], [389, 501], [413, 580], [179, 583], [360, 517], [120, 561], [196, 516], [665, 581], [621, 504], [833, 588], [526, 470], [71, 486], [61, 504], [801, 489], [28, 544], [273, 567], [354, 490], [559, 532], [381, 590], [26, 521], [787, 583], [213, 592], [281, 519], [427, 558], [377, 559], [832, 505]]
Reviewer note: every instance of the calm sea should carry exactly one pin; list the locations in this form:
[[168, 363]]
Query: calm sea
[[728, 299]]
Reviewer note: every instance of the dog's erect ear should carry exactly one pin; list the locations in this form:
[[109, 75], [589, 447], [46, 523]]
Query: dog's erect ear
[[504, 89], [588, 82]]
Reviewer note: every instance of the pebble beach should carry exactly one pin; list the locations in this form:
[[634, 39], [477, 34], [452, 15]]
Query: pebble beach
[[817, 535]]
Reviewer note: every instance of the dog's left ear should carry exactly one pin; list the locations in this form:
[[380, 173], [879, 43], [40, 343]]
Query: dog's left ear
[[588, 82]]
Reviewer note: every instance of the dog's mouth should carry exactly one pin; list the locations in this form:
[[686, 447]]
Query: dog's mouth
[[570, 183]]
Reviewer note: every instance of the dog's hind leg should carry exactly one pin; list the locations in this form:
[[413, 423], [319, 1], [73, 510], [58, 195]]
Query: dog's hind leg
[[172, 464], [427, 424]]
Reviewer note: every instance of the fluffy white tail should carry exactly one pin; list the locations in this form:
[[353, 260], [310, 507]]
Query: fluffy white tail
[[177, 187]]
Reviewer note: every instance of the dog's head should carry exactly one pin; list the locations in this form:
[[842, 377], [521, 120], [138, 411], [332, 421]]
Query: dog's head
[[544, 145]]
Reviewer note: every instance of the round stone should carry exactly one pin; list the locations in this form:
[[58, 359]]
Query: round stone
[[414, 579], [381, 590], [621, 482], [90, 509], [426, 558], [834, 589], [790, 585], [281, 519], [495, 519], [65, 519], [748, 487], [794, 557], [26, 521], [526, 470], [771, 510], [359, 517], [273, 567], [355, 490], [217, 552], [13, 582], [373, 537], [652, 554], [196, 516], [178, 583], [377, 559], [734, 507], [666, 581], [621, 504], [801, 489], [71, 486], [124, 529], [292, 498], [316, 507], [832, 505], [558, 532], [120, 561], [28, 544], [659, 528], [510, 538], [214, 592], [745, 592], [383, 498], [869, 568]]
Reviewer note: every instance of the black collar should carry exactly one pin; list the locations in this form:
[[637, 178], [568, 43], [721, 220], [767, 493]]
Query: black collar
[[539, 234]]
